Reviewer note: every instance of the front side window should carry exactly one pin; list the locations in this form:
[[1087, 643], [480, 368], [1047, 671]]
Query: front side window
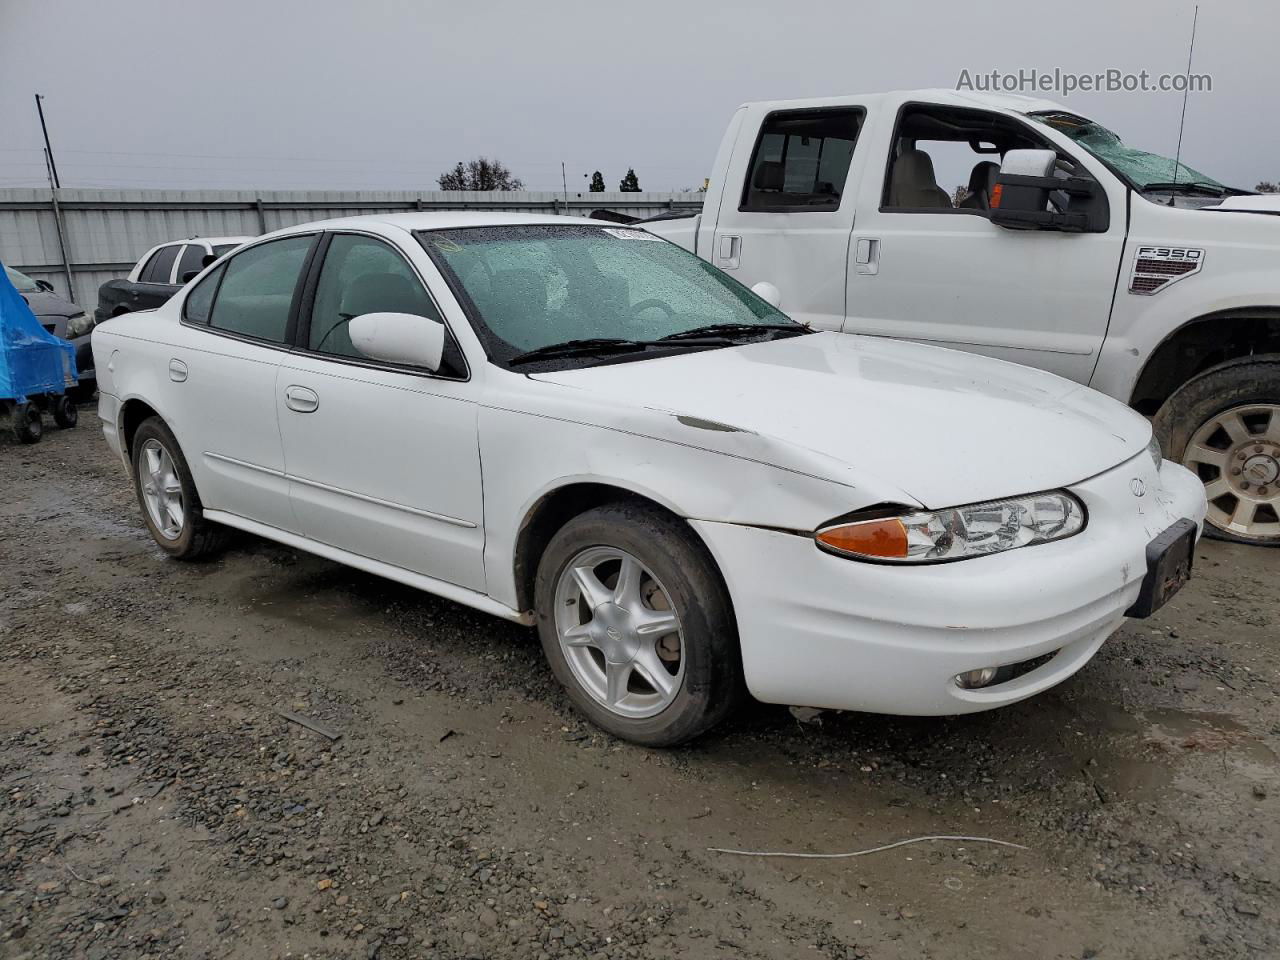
[[362, 275], [801, 161], [533, 286], [160, 267], [256, 294]]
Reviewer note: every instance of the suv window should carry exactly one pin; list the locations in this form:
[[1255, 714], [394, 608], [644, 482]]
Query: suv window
[[160, 266], [801, 160], [362, 275], [192, 259], [257, 289]]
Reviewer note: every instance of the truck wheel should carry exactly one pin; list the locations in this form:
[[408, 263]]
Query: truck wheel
[[1224, 426], [65, 413], [637, 624], [28, 426], [170, 504]]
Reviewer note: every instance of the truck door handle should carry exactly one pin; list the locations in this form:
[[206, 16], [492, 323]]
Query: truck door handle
[[866, 257], [730, 253], [301, 400], [177, 370]]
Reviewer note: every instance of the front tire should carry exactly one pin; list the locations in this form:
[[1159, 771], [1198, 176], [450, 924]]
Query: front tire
[[167, 494], [637, 625], [1224, 426]]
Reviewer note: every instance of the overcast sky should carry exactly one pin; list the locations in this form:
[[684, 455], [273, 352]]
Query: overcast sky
[[383, 94]]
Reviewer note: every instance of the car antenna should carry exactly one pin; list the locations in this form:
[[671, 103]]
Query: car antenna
[[1177, 157]]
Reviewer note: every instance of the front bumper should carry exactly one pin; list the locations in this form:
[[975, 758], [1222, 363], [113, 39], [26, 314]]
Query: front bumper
[[823, 631]]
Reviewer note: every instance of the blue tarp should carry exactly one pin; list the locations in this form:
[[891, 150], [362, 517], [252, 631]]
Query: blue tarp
[[32, 360]]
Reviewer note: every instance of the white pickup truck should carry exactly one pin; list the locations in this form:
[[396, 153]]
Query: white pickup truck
[[1045, 241]]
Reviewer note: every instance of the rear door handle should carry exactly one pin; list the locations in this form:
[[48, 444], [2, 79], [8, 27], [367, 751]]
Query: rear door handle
[[730, 252], [866, 258], [301, 400], [177, 370]]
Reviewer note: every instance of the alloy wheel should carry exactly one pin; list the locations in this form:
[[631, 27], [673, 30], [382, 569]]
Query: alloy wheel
[[161, 490], [619, 632], [1237, 455]]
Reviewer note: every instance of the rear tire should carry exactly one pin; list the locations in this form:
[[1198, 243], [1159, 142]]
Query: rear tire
[[28, 425], [65, 414], [1224, 426], [654, 658], [167, 493]]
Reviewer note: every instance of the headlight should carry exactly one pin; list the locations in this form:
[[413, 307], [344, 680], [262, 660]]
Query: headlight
[[959, 532], [79, 325], [1156, 454]]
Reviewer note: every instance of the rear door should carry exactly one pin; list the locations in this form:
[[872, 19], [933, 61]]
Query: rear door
[[790, 222], [238, 324], [383, 460], [155, 281]]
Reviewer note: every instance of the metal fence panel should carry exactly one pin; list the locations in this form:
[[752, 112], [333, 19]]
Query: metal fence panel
[[106, 231]]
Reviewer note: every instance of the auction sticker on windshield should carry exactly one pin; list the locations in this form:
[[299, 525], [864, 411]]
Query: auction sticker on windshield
[[622, 234]]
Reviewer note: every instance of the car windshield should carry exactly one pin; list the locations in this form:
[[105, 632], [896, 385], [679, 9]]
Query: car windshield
[[23, 283], [1142, 169], [532, 286]]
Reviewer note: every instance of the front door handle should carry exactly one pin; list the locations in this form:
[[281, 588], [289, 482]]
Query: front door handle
[[301, 400], [177, 370]]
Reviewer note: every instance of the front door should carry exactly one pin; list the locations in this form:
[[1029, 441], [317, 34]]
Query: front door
[[790, 226], [927, 264], [382, 460]]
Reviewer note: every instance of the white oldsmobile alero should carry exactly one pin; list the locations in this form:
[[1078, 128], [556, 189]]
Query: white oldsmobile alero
[[581, 426]]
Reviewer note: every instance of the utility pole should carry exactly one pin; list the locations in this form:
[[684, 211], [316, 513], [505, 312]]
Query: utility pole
[[564, 184], [53, 167]]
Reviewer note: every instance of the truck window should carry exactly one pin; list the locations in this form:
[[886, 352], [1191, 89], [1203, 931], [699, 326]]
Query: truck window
[[947, 158], [801, 161]]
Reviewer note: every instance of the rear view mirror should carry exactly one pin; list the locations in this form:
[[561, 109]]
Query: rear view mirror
[[767, 292], [398, 338], [1020, 198]]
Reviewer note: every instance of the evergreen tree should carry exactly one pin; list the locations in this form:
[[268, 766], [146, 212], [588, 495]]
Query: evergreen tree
[[597, 182], [630, 183]]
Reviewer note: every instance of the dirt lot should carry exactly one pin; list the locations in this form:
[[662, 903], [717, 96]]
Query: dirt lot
[[157, 804]]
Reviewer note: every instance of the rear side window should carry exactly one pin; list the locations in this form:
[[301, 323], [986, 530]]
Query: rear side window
[[801, 161], [160, 266], [257, 289], [191, 261], [200, 299]]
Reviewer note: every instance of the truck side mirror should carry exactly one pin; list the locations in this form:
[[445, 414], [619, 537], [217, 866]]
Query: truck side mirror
[[1020, 198]]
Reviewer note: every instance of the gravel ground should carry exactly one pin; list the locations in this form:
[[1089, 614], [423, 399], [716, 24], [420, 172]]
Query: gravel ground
[[156, 803]]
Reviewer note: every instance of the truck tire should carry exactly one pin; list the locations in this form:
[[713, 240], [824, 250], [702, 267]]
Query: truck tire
[[28, 426], [636, 623], [1224, 426], [171, 506]]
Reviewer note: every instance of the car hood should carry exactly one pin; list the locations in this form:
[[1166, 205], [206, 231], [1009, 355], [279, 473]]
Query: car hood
[[44, 304], [941, 426]]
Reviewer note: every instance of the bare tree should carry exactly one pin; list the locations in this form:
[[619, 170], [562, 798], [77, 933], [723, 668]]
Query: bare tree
[[1266, 186], [479, 174]]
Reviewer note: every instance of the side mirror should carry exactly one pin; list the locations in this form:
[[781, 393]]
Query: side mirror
[[190, 275], [767, 292], [398, 338], [1020, 198], [44, 286], [207, 259]]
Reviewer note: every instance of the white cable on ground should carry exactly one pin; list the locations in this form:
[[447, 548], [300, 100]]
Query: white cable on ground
[[863, 853]]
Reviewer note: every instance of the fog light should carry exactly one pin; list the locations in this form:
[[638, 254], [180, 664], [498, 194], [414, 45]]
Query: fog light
[[975, 678]]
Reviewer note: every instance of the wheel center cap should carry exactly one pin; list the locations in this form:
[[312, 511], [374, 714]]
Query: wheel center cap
[[1260, 469], [617, 637]]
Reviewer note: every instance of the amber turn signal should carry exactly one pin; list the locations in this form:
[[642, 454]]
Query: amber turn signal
[[885, 538]]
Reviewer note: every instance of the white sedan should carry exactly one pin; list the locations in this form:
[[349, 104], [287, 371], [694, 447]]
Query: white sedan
[[584, 428]]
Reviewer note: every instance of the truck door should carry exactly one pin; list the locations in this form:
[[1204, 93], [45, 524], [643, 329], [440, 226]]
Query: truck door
[[926, 262], [789, 224]]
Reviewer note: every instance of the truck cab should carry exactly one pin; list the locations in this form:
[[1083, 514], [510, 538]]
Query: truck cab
[[1016, 228]]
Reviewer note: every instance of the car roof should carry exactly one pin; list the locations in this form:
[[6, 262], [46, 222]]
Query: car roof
[[894, 98], [440, 220]]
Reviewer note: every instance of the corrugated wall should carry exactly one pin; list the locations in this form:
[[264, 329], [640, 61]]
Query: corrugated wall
[[106, 231]]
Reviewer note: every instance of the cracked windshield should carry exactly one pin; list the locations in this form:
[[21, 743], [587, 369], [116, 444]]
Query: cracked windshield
[[542, 287]]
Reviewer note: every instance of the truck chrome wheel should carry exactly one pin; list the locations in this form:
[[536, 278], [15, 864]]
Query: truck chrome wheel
[[1237, 455], [161, 490], [618, 632]]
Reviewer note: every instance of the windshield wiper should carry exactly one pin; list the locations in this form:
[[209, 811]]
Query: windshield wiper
[[1191, 186], [589, 347], [728, 330]]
